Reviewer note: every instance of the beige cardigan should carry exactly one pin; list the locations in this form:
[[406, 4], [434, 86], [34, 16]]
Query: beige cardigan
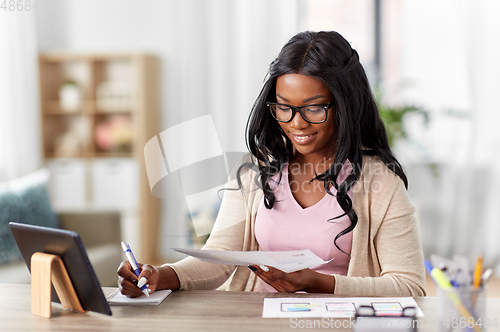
[[386, 254]]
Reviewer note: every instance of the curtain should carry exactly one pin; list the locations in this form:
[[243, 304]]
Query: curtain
[[19, 111], [220, 72], [449, 57]]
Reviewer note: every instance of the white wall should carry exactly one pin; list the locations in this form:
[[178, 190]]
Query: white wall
[[449, 54]]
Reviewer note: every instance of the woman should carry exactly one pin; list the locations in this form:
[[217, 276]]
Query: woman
[[325, 180]]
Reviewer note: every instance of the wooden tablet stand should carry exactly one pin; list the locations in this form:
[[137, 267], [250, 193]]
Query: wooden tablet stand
[[45, 270]]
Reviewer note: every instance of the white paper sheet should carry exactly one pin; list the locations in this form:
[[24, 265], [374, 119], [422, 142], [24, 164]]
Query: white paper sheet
[[334, 307], [157, 297], [286, 261]]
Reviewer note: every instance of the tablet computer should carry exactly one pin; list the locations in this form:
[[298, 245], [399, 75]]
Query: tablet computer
[[67, 245]]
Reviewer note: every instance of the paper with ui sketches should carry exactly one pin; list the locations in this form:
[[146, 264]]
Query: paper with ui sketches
[[286, 261], [335, 307]]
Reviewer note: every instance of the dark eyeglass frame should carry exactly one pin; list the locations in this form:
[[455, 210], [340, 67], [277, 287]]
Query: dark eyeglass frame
[[296, 109]]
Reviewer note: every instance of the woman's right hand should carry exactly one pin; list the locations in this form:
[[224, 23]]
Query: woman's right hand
[[127, 280], [163, 277]]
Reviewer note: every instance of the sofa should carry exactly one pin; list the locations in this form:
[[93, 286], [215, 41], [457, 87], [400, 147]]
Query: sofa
[[26, 200]]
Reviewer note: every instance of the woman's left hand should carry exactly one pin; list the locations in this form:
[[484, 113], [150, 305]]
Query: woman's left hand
[[304, 280]]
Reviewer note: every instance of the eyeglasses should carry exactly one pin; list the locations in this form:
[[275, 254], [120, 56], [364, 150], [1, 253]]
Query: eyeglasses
[[310, 113]]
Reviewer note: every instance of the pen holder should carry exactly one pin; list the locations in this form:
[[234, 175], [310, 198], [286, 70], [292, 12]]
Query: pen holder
[[462, 309]]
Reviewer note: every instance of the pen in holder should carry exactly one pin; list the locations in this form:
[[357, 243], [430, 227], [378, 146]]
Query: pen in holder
[[462, 309], [461, 304], [367, 319]]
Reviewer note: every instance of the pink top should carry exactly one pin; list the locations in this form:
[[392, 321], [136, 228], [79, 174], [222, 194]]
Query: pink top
[[288, 226]]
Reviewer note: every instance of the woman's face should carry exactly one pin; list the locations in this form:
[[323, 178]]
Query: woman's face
[[299, 90]]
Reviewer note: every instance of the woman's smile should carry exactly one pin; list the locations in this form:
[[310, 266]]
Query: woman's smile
[[304, 138]]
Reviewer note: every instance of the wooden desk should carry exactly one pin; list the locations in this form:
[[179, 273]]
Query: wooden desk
[[181, 311]]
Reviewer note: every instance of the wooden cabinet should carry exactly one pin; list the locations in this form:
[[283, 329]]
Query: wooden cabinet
[[97, 113]]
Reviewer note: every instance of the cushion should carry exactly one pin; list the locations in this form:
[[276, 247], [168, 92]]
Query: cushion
[[25, 200]]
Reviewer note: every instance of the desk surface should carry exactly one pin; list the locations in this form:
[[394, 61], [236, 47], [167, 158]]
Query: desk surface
[[181, 311]]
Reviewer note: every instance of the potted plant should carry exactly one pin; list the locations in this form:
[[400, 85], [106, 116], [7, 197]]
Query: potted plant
[[394, 117]]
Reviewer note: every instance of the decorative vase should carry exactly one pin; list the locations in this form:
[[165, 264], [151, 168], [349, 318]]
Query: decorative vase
[[70, 97]]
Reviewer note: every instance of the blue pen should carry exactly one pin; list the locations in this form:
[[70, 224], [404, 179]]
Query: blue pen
[[428, 267], [135, 266]]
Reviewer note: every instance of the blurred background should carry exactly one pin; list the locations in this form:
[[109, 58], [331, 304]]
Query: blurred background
[[86, 85]]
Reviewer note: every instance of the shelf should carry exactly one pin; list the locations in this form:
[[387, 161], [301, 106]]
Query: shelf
[[63, 156], [53, 107], [112, 112], [119, 107], [58, 57], [90, 155], [113, 154]]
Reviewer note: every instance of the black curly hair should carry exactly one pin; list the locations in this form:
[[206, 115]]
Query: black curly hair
[[328, 57]]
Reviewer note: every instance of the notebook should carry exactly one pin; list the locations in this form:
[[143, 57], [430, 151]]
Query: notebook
[[117, 298]]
